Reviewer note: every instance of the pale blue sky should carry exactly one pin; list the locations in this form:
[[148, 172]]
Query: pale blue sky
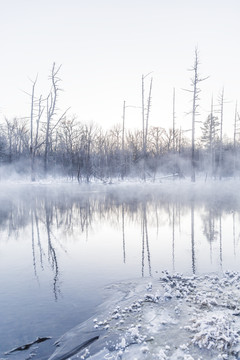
[[104, 48]]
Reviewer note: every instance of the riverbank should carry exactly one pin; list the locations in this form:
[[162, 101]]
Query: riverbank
[[173, 318]]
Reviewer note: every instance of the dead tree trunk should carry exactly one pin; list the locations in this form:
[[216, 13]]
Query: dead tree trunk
[[236, 118], [195, 99], [51, 110], [123, 165], [221, 101], [145, 122], [174, 123], [52, 99]]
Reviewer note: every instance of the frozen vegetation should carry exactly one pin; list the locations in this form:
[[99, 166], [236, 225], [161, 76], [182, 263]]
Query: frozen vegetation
[[175, 317]]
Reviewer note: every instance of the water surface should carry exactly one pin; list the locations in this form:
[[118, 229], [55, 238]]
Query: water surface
[[59, 247]]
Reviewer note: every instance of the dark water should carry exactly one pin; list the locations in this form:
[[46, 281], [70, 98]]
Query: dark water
[[60, 246]]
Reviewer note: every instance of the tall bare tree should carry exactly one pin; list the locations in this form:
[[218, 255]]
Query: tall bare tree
[[123, 165], [235, 136], [210, 137], [221, 103], [52, 109], [37, 110], [195, 81], [145, 120], [174, 122]]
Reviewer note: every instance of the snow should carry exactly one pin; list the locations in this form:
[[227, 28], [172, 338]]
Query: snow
[[174, 317], [194, 321]]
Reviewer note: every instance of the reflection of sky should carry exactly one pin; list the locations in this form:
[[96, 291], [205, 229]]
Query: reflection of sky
[[105, 46], [90, 259]]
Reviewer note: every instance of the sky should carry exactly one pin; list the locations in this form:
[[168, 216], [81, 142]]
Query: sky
[[104, 47]]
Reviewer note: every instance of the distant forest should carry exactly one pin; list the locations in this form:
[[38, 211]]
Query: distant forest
[[48, 142]]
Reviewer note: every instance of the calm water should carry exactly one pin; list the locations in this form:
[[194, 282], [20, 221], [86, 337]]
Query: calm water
[[59, 247]]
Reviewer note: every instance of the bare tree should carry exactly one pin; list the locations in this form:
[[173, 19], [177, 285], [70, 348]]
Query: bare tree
[[88, 138], [48, 107], [221, 103], [35, 115], [17, 138], [210, 137], [195, 81], [123, 165], [145, 120], [235, 134], [68, 138], [174, 122], [52, 99]]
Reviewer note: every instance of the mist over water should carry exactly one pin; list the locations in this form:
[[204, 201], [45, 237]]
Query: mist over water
[[60, 245]]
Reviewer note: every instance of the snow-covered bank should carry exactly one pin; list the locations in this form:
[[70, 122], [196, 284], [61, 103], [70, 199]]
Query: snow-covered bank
[[175, 317]]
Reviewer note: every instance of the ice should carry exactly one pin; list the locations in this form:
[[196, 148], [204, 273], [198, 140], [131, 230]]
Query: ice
[[140, 322]]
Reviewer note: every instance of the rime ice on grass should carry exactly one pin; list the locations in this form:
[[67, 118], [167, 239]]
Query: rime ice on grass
[[175, 318]]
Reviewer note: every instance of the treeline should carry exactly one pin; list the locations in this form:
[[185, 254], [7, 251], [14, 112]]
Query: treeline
[[50, 142], [86, 152]]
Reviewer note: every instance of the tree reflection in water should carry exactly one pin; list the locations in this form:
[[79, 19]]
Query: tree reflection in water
[[123, 233], [58, 217], [52, 256], [38, 253], [145, 241], [193, 237]]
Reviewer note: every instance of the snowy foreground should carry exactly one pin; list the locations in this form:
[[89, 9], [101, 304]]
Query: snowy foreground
[[175, 317]]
